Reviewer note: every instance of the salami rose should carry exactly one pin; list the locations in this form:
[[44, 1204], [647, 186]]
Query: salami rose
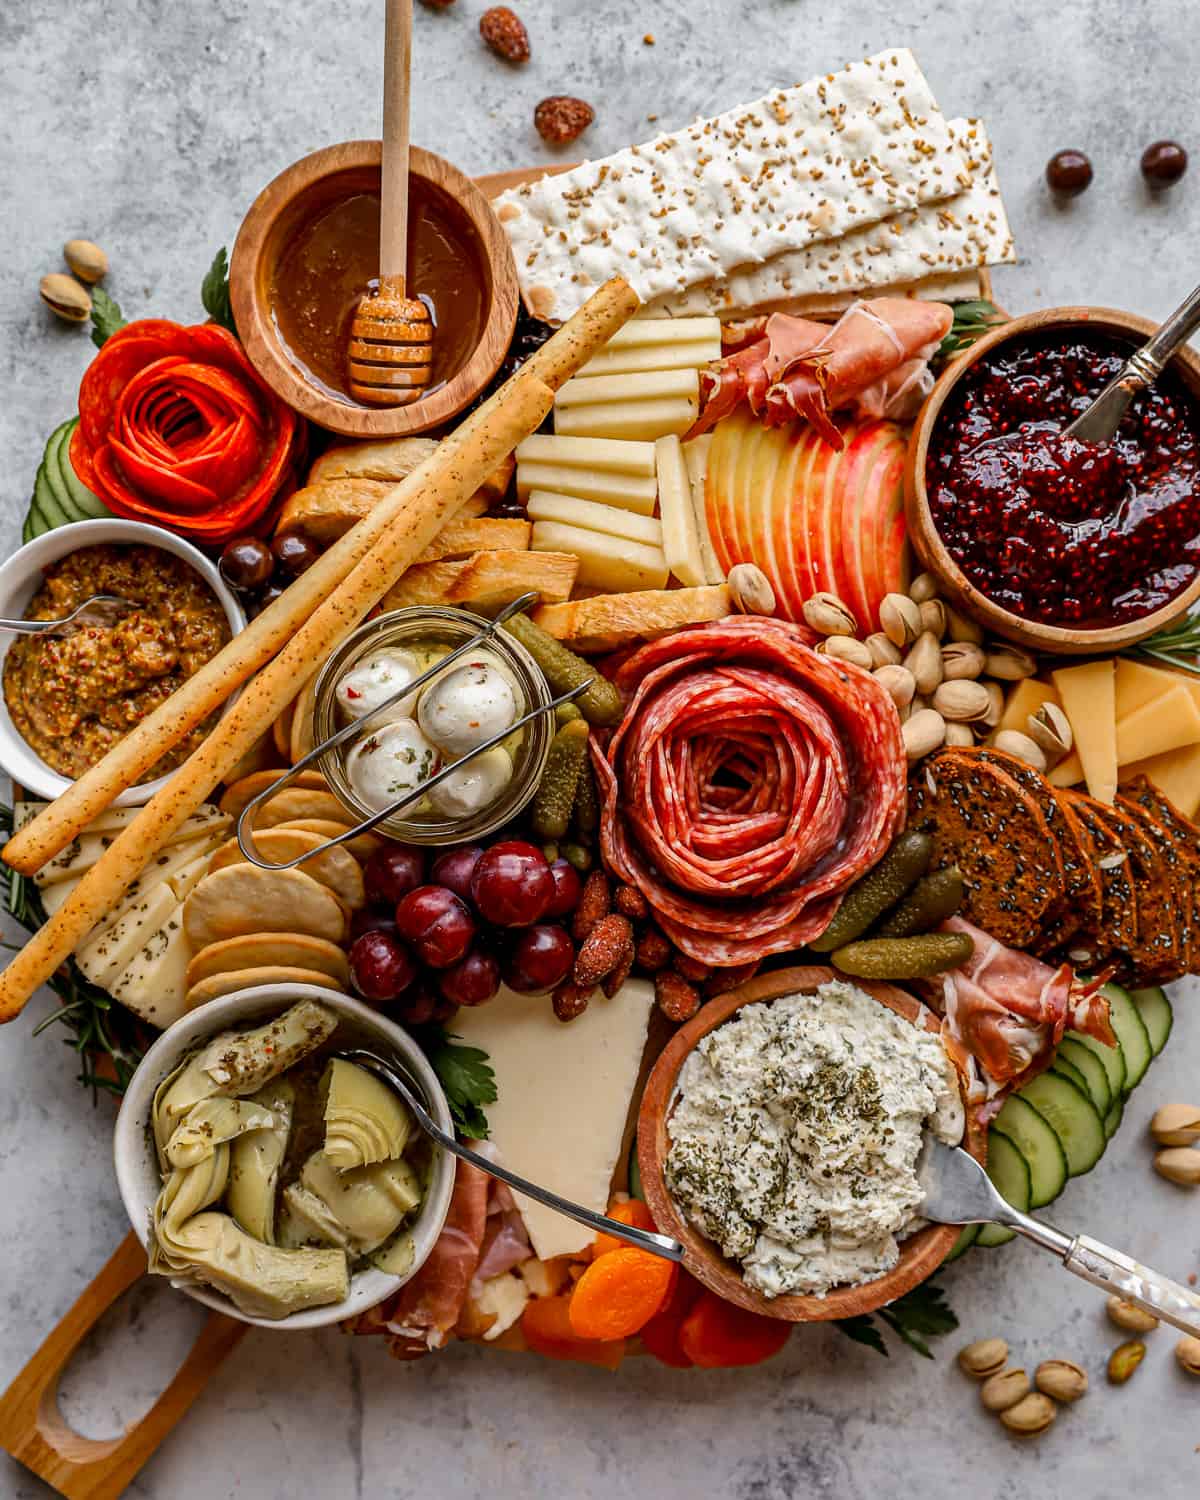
[[176, 428], [750, 783]]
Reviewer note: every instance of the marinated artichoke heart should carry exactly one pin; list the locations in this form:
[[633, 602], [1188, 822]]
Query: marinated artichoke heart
[[186, 1191], [365, 1121], [212, 1123], [368, 1203], [255, 1160], [308, 1220]]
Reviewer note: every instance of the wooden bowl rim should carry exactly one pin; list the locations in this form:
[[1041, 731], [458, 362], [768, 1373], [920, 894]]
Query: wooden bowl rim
[[920, 1254], [256, 326], [927, 540]]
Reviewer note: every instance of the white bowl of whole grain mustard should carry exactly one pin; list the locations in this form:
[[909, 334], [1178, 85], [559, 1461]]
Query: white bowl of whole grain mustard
[[23, 575]]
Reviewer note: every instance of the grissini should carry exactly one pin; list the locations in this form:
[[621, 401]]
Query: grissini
[[128, 761]]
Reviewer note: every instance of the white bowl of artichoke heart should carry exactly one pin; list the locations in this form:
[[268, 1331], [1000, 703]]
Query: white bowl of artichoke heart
[[271, 1178]]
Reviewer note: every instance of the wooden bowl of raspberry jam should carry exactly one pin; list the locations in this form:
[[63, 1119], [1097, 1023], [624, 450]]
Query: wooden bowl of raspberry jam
[[1057, 545]]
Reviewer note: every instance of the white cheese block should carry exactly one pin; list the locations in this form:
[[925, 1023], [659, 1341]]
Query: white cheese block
[[645, 420], [54, 896], [166, 866], [154, 983], [185, 880], [623, 490], [104, 955], [636, 361], [608, 563], [695, 457], [634, 459], [564, 1095], [652, 385], [681, 543], [642, 331], [208, 816], [544, 506], [24, 813]]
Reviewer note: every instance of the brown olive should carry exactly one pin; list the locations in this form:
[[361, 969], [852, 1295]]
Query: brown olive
[[246, 563], [1068, 172], [1163, 164], [268, 596], [294, 553]]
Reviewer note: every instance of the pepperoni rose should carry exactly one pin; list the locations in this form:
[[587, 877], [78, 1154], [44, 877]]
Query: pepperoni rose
[[176, 428], [750, 783]]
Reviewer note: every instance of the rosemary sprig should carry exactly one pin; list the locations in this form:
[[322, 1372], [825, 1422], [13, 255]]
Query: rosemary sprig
[[971, 321], [1178, 645], [108, 1039]]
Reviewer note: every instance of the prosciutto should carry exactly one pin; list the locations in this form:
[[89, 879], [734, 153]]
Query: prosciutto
[[872, 361], [1008, 1012]]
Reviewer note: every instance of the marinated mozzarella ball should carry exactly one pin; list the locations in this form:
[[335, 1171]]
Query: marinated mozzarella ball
[[471, 787], [373, 679], [394, 759], [470, 704]]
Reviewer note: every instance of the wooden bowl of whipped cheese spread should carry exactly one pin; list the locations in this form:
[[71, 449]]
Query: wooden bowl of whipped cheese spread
[[778, 1139]]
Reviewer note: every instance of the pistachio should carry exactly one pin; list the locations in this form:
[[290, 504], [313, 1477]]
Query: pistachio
[[1000, 1391], [1124, 1360], [959, 736], [883, 653], [962, 659], [1051, 729], [995, 709], [1176, 1125], [1179, 1164], [1030, 1416], [1013, 742], [897, 683], [933, 617], [921, 700], [961, 701], [827, 615], [900, 618], [750, 590], [923, 732], [923, 588], [846, 648], [1061, 1378], [65, 297], [983, 1358], [1009, 664], [962, 628], [87, 261], [924, 661], [1187, 1352], [1129, 1316]]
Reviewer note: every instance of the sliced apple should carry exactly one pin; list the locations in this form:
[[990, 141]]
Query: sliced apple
[[774, 455]]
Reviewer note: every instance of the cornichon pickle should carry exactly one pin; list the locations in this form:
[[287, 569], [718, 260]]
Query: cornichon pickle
[[564, 714], [555, 796], [600, 703], [934, 898], [577, 856], [904, 958], [585, 818], [904, 863]]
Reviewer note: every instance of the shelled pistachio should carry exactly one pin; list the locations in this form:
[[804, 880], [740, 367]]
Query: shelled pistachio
[[1129, 1316]]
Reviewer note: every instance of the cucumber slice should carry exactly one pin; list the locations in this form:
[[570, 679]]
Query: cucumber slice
[[1038, 1144], [1112, 1119], [1069, 1070], [1155, 1010], [1095, 1077], [52, 463], [1012, 1179], [27, 532], [970, 1233], [1131, 1033], [635, 1173], [1112, 1060], [46, 501], [38, 524], [1073, 1118], [90, 506]]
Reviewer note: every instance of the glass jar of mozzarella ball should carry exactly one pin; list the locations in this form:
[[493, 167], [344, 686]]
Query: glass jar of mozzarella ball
[[479, 695]]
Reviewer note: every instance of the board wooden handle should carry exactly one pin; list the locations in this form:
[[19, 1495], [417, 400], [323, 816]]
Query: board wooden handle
[[33, 1429], [393, 221]]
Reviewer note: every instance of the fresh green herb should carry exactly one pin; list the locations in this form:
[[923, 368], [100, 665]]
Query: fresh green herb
[[214, 292], [917, 1316], [1178, 645], [108, 1039], [107, 317], [971, 321], [467, 1077]]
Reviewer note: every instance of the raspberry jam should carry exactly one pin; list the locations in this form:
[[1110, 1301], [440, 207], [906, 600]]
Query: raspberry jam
[[1055, 530]]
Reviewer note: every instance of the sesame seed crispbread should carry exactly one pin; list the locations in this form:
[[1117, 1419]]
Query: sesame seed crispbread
[[801, 165]]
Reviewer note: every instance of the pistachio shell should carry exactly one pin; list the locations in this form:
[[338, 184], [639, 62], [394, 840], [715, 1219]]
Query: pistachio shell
[[1013, 742], [846, 648], [65, 297], [897, 682], [924, 661], [959, 736], [995, 709], [1179, 1164], [826, 614], [961, 701], [923, 588], [883, 652], [1061, 1378], [999, 1392], [933, 617], [1129, 1316], [983, 1358], [962, 659], [1009, 664], [751, 590], [923, 732], [1187, 1352], [1051, 729], [1176, 1125], [1030, 1416], [87, 261], [900, 618]]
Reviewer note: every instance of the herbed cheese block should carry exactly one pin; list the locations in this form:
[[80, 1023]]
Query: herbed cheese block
[[103, 956], [564, 1095], [1088, 696], [154, 983], [82, 853]]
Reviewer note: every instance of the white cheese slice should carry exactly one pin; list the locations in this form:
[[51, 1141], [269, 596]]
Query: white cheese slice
[[207, 816], [645, 330], [644, 420], [564, 1094], [167, 865], [651, 385], [154, 983], [82, 853], [54, 896], [681, 542], [607, 454], [638, 361], [627, 491], [24, 813], [104, 955], [591, 516], [608, 563], [183, 881]]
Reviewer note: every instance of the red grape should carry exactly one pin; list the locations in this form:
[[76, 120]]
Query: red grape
[[512, 885], [393, 871], [373, 919], [541, 959], [381, 966], [437, 924], [454, 869], [418, 1005], [567, 889], [473, 981]]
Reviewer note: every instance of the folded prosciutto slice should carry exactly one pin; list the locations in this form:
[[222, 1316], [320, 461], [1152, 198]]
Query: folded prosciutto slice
[[873, 360], [1007, 1011]]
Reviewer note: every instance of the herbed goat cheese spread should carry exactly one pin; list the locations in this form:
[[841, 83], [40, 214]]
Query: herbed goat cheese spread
[[796, 1133]]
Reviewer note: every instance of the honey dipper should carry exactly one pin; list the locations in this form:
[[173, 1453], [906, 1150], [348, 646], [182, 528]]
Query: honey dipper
[[391, 338]]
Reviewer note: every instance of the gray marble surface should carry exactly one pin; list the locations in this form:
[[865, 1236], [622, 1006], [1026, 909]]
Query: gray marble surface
[[149, 127]]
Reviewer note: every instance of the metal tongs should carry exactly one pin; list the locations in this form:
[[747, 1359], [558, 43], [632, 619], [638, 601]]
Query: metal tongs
[[488, 628]]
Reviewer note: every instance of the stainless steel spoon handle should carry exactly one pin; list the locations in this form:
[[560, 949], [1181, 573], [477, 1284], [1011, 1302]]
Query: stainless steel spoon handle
[[100, 609], [644, 1239]]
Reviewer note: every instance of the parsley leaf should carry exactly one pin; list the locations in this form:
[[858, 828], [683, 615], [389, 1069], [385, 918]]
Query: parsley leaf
[[863, 1330], [467, 1077], [971, 321], [107, 317], [920, 1314], [214, 292]]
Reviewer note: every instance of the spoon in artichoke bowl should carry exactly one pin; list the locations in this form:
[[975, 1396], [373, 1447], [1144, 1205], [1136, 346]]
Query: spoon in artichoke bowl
[[958, 1191], [398, 1080]]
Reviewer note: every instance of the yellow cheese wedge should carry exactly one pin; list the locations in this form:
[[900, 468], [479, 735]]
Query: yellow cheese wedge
[[1088, 697], [1068, 772], [1164, 723], [641, 331], [1176, 774], [1138, 683], [1025, 699]]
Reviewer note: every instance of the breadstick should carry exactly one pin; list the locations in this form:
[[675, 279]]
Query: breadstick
[[128, 761]]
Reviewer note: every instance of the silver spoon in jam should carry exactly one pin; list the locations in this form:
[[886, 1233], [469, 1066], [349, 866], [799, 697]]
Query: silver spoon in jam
[[1100, 421], [104, 610]]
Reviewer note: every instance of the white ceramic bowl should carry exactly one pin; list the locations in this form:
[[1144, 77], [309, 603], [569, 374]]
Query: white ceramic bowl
[[21, 577], [137, 1167]]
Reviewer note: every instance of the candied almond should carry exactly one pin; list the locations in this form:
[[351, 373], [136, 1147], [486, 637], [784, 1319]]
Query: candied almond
[[691, 968], [571, 1000], [595, 901], [504, 32], [652, 952], [604, 949], [677, 999], [630, 902], [560, 119], [619, 975]]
